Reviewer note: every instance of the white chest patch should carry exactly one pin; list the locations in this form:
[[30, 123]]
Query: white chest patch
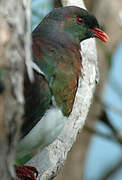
[[43, 134]]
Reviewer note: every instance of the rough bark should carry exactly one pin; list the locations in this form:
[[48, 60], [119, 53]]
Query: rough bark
[[14, 26], [109, 14], [50, 160]]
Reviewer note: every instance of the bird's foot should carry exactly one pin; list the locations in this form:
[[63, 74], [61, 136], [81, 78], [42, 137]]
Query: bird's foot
[[26, 173]]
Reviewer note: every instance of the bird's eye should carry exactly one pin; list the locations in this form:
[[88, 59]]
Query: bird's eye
[[79, 20]]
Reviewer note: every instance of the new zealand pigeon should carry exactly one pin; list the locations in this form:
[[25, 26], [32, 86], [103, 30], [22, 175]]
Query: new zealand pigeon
[[57, 67]]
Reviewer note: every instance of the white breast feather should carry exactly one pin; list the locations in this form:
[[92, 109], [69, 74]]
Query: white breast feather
[[43, 134]]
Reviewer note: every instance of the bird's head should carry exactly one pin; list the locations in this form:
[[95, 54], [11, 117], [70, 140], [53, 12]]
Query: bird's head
[[77, 22]]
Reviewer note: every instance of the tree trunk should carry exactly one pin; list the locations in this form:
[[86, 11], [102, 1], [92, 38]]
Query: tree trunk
[[14, 43]]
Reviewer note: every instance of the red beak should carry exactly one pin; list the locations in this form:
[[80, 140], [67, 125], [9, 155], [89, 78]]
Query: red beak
[[100, 34]]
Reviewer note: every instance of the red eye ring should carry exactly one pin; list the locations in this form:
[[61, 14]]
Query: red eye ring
[[79, 20]]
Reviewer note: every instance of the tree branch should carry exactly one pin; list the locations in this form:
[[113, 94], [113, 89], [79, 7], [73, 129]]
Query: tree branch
[[110, 17], [113, 169], [50, 160], [100, 134]]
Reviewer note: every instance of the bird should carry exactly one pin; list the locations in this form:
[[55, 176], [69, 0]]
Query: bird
[[57, 66]]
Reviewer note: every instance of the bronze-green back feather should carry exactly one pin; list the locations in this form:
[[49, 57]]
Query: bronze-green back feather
[[56, 52]]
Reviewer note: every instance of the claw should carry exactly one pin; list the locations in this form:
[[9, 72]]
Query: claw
[[26, 173]]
